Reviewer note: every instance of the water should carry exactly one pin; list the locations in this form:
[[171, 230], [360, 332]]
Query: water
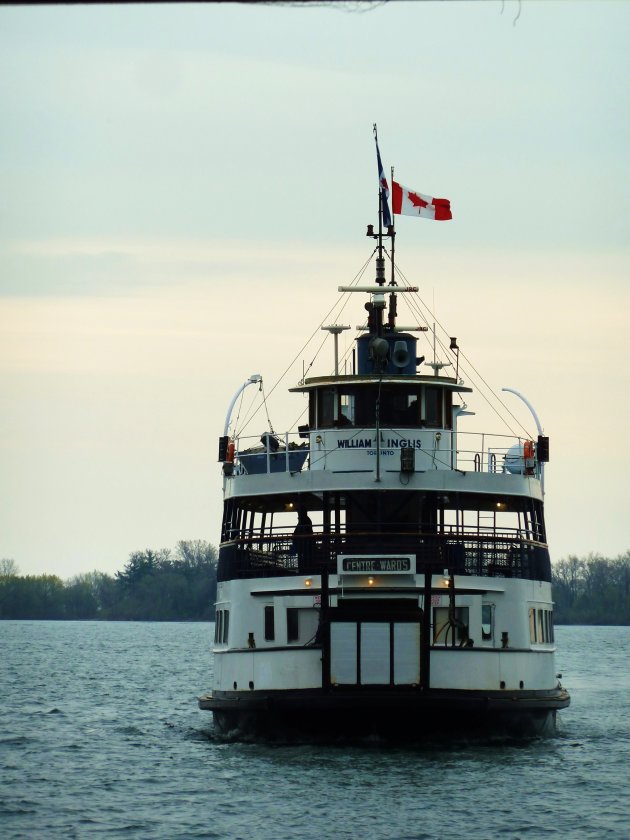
[[100, 736]]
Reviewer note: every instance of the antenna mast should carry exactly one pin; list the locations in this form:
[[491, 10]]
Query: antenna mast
[[380, 210]]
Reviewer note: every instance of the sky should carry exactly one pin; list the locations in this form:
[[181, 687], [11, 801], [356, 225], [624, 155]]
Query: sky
[[184, 187]]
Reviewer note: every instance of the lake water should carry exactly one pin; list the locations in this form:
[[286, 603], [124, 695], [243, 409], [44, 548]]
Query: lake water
[[100, 736]]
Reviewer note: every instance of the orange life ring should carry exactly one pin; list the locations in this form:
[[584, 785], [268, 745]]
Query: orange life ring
[[230, 452], [528, 450]]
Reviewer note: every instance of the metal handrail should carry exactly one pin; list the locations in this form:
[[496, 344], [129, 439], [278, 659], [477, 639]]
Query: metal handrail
[[481, 534], [480, 452], [466, 555]]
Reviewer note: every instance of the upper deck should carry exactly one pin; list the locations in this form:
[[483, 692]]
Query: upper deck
[[432, 459], [382, 465]]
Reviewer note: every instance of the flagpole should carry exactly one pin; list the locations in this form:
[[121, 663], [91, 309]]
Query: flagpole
[[380, 207], [393, 280]]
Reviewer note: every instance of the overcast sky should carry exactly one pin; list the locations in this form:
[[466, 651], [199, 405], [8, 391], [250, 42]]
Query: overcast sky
[[183, 188]]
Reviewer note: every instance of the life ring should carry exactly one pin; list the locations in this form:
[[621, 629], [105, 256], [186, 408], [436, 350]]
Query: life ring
[[230, 452], [528, 450]]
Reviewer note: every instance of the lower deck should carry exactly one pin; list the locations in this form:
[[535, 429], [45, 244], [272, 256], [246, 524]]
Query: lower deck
[[432, 648]]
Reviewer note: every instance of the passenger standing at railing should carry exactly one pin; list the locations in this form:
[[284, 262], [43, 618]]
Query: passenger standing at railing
[[303, 539]]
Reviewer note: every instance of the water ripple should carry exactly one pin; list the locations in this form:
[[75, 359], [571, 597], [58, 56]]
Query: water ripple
[[110, 743]]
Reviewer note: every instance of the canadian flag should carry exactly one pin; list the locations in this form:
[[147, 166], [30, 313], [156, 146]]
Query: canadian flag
[[411, 203]]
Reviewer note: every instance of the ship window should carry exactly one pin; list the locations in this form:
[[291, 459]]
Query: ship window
[[448, 409], [293, 633], [393, 408], [226, 626], [327, 408], [433, 407], [532, 625], [365, 406], [412, 412], [541, 626], [270, 629], [346, 417], [486, 622], [443, 628], [312, 410]]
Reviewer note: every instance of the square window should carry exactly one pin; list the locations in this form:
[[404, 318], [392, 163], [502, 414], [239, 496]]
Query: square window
[[444, 629]]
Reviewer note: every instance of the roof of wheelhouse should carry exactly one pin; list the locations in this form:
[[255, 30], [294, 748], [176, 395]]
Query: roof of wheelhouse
[[447, 383]]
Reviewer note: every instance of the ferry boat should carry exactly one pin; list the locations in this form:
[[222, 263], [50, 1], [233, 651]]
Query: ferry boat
[[381, 570]]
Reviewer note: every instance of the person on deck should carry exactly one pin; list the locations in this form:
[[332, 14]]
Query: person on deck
[[303, 540]]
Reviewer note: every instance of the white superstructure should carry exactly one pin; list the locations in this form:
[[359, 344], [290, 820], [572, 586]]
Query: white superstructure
[[383, 568]]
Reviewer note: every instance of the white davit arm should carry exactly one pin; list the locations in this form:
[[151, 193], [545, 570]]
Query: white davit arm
[[529, 405], [255, 377], [538, 426]]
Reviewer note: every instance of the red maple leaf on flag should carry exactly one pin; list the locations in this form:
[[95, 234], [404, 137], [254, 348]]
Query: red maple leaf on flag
[[417, 201]]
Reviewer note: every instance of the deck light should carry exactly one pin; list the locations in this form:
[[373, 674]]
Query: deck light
[[308, 582], [370, 581]]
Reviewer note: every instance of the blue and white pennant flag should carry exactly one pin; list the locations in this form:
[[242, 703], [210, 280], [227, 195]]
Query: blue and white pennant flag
[[387, 219]]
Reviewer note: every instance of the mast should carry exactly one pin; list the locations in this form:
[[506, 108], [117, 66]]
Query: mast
[[391, 318], [380, 211]]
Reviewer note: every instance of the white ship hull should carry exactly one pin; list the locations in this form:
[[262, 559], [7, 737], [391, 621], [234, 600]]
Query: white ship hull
[[367, 671]]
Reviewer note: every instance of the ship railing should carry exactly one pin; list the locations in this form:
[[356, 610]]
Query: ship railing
[[486, 555], [493, 453], [467, 451]]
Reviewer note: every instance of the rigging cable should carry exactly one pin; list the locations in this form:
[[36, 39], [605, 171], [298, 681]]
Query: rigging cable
[[414, 306], [343, 297], [266, 409]]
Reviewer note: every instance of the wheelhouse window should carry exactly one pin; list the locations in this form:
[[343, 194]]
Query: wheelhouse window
[[432, 407], [346, 409], [327, 408], [398, 406]]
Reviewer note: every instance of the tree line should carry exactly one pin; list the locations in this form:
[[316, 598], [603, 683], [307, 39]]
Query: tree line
[[592, 590], [163, 585], [181, 585]]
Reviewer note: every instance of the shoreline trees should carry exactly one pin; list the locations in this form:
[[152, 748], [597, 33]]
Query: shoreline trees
[[181, 585], [164, 585], [592, 590]]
